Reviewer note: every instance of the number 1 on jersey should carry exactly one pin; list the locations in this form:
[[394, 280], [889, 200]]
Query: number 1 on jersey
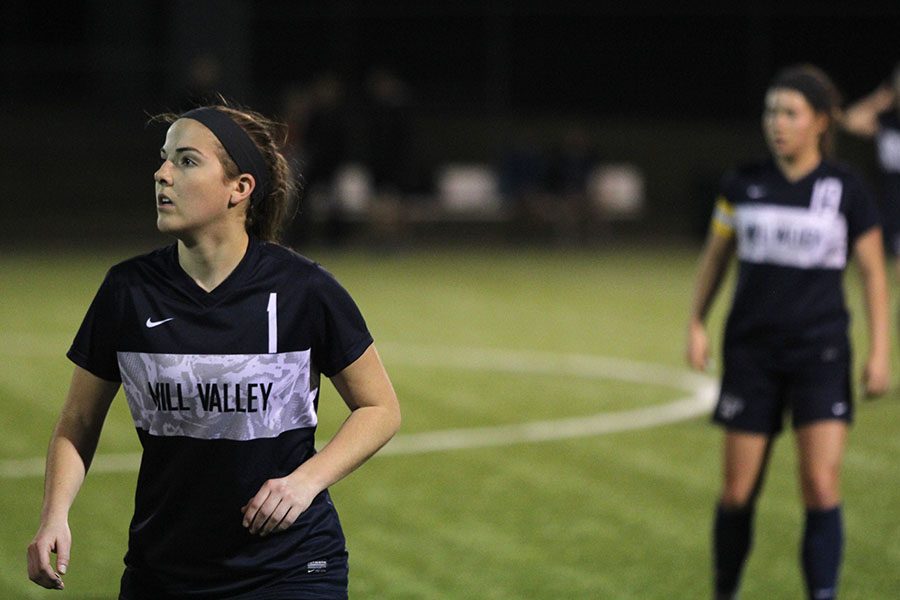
[[273, 322]]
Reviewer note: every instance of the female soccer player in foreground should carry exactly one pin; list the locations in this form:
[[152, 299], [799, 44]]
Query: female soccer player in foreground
[[792, 220], [219, 340]]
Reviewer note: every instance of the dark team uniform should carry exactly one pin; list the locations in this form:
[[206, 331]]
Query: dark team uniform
[[786, 343], [223, 388], [888, 142]]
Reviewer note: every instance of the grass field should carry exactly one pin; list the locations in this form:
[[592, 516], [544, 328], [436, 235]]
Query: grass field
[[622, 515]]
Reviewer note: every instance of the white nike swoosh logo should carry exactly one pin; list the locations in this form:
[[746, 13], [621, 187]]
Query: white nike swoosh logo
[[151, 324], [756, 192]]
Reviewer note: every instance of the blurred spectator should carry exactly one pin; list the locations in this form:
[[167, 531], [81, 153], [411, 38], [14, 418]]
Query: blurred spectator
[[524, 171], [204, 79], [389, 136], [296, 103], [325, 137], [570, 169], [548, 190], [317, 125]]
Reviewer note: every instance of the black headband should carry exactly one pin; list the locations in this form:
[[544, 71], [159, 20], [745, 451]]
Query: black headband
[[237, 143], [812, 89]]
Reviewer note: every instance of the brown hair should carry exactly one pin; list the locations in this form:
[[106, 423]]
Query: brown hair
[[819, 91], [268, 216]]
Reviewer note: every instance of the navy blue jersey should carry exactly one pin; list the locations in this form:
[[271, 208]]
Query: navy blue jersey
[[793, 242], [223, 388]]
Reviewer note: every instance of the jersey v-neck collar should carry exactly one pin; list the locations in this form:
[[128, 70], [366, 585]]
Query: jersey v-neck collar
[[189, 287], [790, 182]]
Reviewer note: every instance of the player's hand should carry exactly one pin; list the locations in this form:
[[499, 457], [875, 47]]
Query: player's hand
[[50, 539], [876, 377], [697, 353], [277, 505]]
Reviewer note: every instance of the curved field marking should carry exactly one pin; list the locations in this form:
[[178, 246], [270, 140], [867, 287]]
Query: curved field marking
[[702, 389], [701, 398]]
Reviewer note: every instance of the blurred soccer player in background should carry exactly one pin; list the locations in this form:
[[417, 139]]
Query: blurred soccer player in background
[[877, 116], [219, 341], [793, 221]]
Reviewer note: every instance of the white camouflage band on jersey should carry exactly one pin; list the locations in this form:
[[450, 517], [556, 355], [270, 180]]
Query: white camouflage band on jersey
[[227, 396]]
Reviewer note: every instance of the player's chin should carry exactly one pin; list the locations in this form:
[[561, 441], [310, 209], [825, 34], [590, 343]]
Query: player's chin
[[779, 149], [167, 224]]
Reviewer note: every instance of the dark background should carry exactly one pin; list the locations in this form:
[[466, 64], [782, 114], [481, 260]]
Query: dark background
[[676, 91]]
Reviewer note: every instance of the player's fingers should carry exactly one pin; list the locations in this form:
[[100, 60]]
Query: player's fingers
[[700, 362], [875, 383], [39, 569], [875, 387], [62, 558], [38, 560], [275, 518], [697, 351], [264, 513], [698, 359], [251, 509], [255, 520], [292, 515], [50, 580]]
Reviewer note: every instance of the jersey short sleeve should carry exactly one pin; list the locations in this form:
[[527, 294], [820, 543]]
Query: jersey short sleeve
[[862, 211], [94, 346], [723, 218], [341, 334], [723, 222]]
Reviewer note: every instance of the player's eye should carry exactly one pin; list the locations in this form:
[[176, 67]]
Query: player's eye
[[186, 161]]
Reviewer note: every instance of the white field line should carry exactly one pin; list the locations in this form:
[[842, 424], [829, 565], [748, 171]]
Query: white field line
[[701, 390]]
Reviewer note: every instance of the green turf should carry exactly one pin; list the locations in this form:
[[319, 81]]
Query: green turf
[[620, 516]]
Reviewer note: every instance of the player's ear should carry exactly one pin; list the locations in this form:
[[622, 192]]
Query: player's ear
[[243, 187]]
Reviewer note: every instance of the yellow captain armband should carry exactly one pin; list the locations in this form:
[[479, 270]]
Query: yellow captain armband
[[723, 218]]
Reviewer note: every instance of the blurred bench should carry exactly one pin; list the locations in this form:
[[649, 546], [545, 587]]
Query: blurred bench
[[468, 194]]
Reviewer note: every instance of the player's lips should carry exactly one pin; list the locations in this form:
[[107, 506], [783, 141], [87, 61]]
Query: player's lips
[[163, 200]]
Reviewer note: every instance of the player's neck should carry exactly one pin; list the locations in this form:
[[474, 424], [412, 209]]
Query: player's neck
[[795, 168], [210, 261]]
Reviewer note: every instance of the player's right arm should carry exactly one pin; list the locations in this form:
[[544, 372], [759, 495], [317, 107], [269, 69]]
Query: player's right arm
[[69, 457], [861, 117], [714, 260]]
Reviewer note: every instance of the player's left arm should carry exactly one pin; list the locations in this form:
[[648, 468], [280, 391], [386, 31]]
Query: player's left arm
[[374, 419], [870, 257]]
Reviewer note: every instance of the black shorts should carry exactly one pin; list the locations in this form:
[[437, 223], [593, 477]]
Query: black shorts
[[761, 382], [318, 580]]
